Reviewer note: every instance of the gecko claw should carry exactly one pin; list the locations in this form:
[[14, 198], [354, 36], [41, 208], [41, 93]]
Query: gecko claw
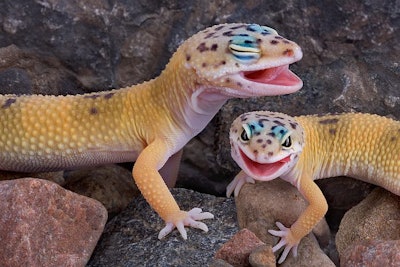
[[237, 183], [189, 218]]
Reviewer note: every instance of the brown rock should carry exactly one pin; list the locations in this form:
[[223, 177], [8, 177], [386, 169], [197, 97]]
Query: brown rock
[[262, 257], [372, 253], [375, 218], [260, 205], [237, 250], [112, 185], [56, 177], [43, 224]]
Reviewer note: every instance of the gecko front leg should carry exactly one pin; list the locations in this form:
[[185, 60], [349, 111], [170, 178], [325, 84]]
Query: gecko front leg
[[155, 191], [290, 237]]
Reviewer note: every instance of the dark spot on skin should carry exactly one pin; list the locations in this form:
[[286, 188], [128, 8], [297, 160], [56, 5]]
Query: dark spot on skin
[[223, 62], [255, 151], [286, 41], [228, 33], [288, 52], [329, 121], [278, 37], [219, 28], [239, 84], [237, 27], [108, 96], [204, 65], [252, 127], [274, 42], [271, 134], [188, 57], [259, 140], [264, 146], [259, 41], [243, 34], [269, 142], [202, 47], [332, 131], [237, 64], [94, 96], [270, 154], [9, 102], [211, 34], [394, 138], [243, 118], [214, 47], [227, 80], [257, 134], [278, 122], [93, 111], [294, 125]]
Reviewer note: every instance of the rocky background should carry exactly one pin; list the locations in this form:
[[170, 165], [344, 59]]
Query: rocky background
[[351, 63]]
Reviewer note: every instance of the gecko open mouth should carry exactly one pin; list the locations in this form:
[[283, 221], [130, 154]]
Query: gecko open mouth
[[260, 170], [280, 75]]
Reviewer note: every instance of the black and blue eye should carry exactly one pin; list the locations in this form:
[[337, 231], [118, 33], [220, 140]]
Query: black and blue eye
[[246, 133], [287, 143], [245, 48]]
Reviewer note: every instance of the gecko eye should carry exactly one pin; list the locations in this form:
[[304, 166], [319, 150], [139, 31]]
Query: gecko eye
[[287, 143], [245, 48], [246, 133]]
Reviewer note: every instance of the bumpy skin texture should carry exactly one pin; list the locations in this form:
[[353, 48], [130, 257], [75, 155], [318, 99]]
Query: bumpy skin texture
[[268, 145], [151, 122]]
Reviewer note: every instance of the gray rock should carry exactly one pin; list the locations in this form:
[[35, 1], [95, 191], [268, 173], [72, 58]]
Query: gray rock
[[130, 239]]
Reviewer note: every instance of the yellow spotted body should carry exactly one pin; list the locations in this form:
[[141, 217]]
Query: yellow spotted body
[[268, 145], [149, 123], [357, 145]]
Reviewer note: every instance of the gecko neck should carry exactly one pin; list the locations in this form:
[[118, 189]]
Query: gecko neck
[[193, 101]]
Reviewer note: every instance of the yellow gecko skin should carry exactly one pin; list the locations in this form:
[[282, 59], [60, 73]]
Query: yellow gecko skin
[[149, 123], [268, 145]]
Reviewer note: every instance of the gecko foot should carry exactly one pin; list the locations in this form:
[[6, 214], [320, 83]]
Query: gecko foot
[[287, 240], [183, 219], [237, 183]]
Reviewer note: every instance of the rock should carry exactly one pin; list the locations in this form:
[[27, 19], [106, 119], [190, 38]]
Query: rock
[[112, 185], [130, 238], [237, 250], [375, 218], [260, 205], [372, 253], [219, 263], [43, 224], [262, 257], [56, 177]]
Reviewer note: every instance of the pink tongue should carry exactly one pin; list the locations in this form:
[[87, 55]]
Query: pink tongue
[[277, 76]]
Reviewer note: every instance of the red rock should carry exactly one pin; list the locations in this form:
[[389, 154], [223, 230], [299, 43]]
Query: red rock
[[237, 250], [42, 224], [372, 253]]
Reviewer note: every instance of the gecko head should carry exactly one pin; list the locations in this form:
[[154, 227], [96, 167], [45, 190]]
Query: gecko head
[[243, 60], [266, 144]]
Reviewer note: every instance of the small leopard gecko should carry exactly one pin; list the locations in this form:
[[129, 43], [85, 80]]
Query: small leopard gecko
[[268, 145]]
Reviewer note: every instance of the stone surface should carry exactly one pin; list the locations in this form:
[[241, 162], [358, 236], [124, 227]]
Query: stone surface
[[43, 224], [262, 257], [112, 185], [372, 253], [375, 218], [130, 239], [237, 250], [260, 205], [56, 177]]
